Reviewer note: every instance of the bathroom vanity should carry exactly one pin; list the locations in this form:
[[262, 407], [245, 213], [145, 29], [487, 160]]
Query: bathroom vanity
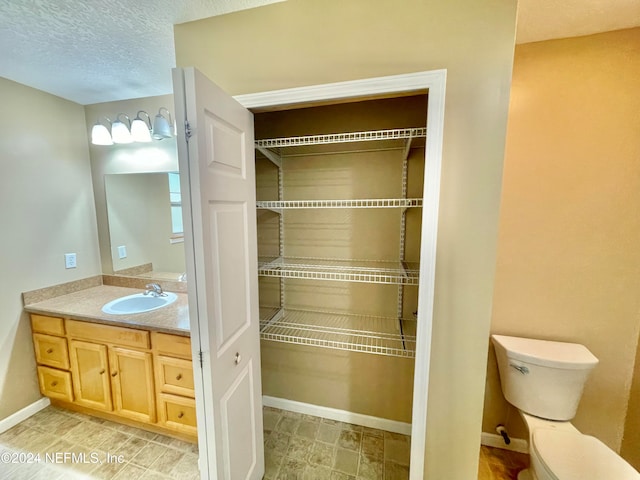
[[133, 369]]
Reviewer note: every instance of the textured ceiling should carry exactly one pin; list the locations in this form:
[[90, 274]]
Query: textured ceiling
[[98, 50], [104, 50], [546, 19]]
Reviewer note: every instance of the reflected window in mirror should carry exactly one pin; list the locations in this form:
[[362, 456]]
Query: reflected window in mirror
[[176, 206]]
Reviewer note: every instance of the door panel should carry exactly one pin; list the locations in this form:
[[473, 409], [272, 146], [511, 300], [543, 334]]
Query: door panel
[[225, 149], [218, 179], [231, 290], [237, 410]]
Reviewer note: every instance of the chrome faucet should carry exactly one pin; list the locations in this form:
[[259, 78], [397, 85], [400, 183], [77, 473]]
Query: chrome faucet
[[154, 289]]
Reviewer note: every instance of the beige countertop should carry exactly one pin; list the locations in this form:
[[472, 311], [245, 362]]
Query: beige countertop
[[87, 305]]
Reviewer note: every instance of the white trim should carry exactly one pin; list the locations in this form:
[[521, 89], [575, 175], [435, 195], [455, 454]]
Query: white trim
[[338, 415], [435, 82], [496, 441], [343, 90], [430, 211], [21, 415]]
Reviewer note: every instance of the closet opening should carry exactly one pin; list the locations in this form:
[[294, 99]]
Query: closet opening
[[339, 189]]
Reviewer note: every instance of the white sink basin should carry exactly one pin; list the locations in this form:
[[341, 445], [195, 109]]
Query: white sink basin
[[138, 303]]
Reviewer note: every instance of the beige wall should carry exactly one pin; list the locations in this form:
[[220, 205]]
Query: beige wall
[[568, 254], [158, 156], [306, 42], [46, 211]]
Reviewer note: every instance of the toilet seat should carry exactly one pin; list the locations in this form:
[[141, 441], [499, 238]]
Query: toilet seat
[[567, 455]]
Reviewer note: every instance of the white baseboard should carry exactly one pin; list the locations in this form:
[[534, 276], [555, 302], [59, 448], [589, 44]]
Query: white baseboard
[[21, 415], [495, 440], [338, 415]]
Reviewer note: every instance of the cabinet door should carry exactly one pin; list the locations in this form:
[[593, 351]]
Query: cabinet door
[[132, 382], [89, 368]]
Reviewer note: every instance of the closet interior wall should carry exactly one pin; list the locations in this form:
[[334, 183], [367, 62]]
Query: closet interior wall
[[365, 383]]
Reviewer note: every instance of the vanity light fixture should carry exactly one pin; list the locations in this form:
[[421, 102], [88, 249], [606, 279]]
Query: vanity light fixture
[[100, 133], [162, 125], [140, 128], [120, 132]]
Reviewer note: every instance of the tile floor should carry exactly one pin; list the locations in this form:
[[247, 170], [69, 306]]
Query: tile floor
[[297, 447], [499, 464], [56, 434], [302, 447]]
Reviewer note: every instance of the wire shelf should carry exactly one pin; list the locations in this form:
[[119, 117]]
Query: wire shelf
[[397, 273], [357, 203], [355, 333], [367, 136]]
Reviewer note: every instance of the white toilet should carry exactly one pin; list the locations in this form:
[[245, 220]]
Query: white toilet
[[544, 381]]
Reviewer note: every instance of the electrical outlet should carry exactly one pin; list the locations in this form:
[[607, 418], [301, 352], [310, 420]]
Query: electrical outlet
[[70, 260], [122, 251]]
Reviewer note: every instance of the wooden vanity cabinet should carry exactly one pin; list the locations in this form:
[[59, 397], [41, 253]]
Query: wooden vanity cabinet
[[123, 372]]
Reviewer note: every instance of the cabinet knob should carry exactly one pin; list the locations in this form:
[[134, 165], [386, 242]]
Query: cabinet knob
[[238, 358], [101, 372], [179, 376], [114, 374], [181, 414], [54, 383], [49, 350]]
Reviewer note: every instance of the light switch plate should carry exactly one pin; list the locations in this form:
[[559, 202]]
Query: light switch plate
[[70, 260], [122, 251]]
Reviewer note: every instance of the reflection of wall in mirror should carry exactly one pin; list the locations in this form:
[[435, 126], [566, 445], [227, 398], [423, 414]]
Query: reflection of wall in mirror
[[139, 214]]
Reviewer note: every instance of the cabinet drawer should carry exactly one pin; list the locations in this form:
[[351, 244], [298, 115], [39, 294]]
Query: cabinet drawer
[[45, 324], [175, 375], [173, 345], [126, 337], [55, 383], [51, 351], [177, 413]]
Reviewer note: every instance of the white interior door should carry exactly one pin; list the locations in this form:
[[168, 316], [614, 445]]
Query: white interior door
[[216, 158]]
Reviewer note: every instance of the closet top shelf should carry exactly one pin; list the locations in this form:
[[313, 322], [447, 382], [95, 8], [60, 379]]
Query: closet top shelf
[[399, 138], [349, 137], [278, 205]]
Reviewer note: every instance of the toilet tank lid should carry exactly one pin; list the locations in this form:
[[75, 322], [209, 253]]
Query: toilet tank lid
[[574, 456], [546, 353]]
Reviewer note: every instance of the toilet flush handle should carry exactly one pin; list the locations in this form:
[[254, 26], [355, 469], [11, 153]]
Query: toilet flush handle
[[521, 368]]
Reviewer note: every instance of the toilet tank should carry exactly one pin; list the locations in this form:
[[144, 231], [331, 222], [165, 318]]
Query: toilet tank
[[541, 377]]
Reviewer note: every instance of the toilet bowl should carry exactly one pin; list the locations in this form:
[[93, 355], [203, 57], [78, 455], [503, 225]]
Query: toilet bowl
[[544, 380], [558, 451]]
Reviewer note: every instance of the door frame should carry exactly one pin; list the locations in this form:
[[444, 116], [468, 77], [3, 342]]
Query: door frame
[[435, 82]]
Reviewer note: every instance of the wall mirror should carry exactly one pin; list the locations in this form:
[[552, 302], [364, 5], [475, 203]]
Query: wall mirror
[[145, 224]]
